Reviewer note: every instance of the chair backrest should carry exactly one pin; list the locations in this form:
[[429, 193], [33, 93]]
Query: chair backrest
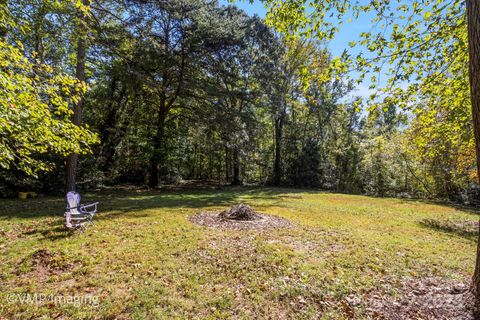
[[73, 201]]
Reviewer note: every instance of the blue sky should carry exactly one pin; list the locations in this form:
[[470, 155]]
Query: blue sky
[[348, 32], [255, 8]]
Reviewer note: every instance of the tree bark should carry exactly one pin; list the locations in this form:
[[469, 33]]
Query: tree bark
[[227, 163], [236, 166], [157, 155], [277, 166], [473, 21], [71, 163], [108, 131]]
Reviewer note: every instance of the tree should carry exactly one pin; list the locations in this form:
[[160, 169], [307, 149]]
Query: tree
[[166, 50], [288, 63], [384, 171], [232, 111], [473, 21], [34, 107], [72, 159]]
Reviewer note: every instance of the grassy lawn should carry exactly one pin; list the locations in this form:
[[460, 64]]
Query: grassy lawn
[[144, 259]]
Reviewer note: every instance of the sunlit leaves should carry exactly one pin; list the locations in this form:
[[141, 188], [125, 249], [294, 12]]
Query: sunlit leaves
[[414, 39], [420, 47], [35, 110]]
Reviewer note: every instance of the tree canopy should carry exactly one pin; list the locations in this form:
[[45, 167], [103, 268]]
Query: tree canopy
[[192, 89], [34, 102]]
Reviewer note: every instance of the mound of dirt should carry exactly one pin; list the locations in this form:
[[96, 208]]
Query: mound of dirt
[[240, 212], [426, 298], [239, 217]]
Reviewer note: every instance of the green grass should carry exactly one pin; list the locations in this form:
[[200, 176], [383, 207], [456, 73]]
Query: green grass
[[144, 259]]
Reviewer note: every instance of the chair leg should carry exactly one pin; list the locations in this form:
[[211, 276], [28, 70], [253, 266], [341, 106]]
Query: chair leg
[[82, 228]]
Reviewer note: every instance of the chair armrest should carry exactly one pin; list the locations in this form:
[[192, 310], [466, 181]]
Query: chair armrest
[[89, 205], [83, 208]]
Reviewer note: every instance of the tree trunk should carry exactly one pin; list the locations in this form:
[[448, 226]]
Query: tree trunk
[[157, 155], [156, 158], [473, 20], [107, 150], [277, 167], [227, 163], [71, 163], [236, 166]]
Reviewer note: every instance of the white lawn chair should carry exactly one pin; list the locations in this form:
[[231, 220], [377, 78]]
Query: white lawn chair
[[78, 215]]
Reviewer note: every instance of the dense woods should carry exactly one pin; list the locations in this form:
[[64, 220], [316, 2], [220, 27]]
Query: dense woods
[[198, 90]]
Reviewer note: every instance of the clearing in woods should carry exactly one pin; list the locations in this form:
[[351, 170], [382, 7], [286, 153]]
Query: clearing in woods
[[345, 256]]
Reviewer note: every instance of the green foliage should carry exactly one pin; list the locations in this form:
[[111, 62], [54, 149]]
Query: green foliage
[[206, 92], [421, 48], [418, 41], [35, 112], [442, 135], [386, 170]]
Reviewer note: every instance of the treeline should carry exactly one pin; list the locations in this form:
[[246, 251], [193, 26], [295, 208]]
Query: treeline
[[190, 89]]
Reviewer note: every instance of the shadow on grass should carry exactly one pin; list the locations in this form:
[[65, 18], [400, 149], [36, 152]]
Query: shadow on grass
[[51, 229], [130, 203], [470, 209], [122, 202], [463, 228]]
